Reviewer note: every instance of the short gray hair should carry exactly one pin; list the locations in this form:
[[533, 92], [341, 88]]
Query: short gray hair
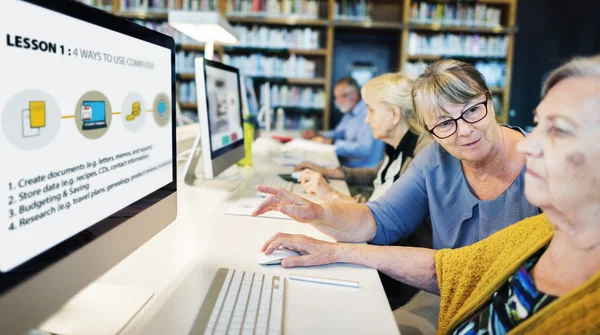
[[578, 67], [446, 81], [348, 81]]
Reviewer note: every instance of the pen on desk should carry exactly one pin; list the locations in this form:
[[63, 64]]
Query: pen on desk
[[323, 280]]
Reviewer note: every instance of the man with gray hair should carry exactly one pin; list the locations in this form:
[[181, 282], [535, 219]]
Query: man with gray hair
[[352, 138]]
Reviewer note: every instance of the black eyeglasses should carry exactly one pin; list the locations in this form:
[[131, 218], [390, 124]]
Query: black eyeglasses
[[471, 115]]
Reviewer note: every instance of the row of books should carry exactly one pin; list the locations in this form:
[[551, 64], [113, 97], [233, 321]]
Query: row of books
[[187, 92], [307, 9], [259, 65], [494, 72], [298, 121], [465, 45], [292, 96], [163, 6], [353, 10], [148, 6], [185, 61], [200, 5], [460, 14], [256, 36], [275, 38], [102, 4]]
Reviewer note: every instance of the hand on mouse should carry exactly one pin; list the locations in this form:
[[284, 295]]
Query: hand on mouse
[[315, 184], [289, 204], [313, 251]]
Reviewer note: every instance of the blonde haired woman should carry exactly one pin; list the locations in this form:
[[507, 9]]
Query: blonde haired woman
[[392, 120]]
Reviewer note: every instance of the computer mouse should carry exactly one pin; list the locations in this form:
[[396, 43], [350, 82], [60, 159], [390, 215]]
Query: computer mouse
[[276, 257], [296, 174]]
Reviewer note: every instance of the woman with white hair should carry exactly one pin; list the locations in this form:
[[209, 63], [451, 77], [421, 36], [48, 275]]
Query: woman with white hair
[[392, 120], [540, 275]]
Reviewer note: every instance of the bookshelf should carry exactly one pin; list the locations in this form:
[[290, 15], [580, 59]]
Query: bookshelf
[[368, 24], [290, 21], [500, 30], [326, 17]]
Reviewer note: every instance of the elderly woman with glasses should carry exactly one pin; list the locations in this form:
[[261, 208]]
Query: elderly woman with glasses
[[538, 276], [469, 181]]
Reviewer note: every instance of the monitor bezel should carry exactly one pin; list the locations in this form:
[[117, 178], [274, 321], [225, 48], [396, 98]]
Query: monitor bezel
[[80, 240], [240, 142]]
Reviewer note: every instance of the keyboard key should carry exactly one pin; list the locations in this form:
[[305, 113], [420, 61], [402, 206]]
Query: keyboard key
[[261, 325], [248, 303]]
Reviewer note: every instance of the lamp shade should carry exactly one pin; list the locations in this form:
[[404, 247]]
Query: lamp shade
[[203, 26]]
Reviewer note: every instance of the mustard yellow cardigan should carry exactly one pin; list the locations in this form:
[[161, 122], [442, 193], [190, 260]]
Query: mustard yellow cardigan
[[469, 276]]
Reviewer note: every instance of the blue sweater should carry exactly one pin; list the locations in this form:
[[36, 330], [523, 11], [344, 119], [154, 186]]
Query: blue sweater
[[354, 142], [434, 185]]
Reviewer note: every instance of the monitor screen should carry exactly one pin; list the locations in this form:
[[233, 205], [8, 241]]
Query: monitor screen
[[87, 136], [224, 106]]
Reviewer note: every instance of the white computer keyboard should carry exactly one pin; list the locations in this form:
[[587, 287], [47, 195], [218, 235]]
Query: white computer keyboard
[[248, 304], [277, 182]]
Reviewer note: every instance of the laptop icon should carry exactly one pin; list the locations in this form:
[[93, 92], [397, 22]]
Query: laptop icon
[[93, 115]]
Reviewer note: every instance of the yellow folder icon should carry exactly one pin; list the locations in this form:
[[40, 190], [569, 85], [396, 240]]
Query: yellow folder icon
[[37, 114]]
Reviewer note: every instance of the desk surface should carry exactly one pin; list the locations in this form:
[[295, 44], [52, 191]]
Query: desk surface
[[179, 264]]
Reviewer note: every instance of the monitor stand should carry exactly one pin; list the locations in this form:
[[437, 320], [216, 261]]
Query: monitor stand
[[228, 180], [99, 309]]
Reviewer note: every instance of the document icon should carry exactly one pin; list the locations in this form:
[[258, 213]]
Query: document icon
[[37, 114], [28, 131]]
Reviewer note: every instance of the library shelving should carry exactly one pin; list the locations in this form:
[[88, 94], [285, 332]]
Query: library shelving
[[302, 33]]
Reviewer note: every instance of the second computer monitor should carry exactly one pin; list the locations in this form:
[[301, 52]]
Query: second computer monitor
[[220, 114]]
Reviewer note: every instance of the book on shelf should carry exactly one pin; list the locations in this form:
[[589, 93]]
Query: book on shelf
[[292, 96], [459, 14], [305, 9], [465, 45], [278, 38], [259, 65], [106, 5], [147, 6], [353, 10]]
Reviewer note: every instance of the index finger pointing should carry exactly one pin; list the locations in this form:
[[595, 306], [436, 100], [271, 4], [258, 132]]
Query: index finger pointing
[[264, 206]]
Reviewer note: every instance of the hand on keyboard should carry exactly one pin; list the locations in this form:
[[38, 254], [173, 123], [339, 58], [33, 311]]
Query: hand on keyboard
[[289, 204]]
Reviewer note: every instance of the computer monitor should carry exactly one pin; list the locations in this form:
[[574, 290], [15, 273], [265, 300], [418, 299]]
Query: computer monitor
[[221, 122], [93, 114], [78, 197]]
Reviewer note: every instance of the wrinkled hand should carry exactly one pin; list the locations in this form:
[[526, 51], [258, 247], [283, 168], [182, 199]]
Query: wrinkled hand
[[289, 204], [308, 134], [321, 139], [313, 251], [315, 184], [309, 165]]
